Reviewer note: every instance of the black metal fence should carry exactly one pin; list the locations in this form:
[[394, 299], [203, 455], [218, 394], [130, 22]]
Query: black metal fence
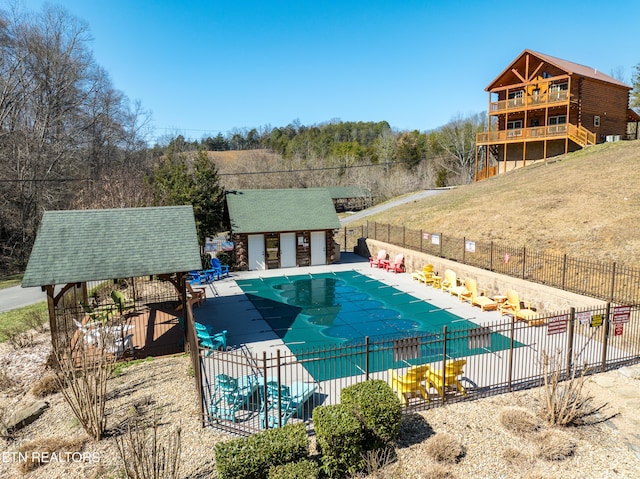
[[237, 386], [607, 281]]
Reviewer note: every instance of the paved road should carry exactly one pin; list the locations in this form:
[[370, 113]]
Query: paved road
[[17, 297], [391, 204]]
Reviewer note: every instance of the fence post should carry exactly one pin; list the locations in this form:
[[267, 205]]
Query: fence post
[[367, 235], [464, 250], [511, 344], [524, 260], [491, 256], [264, 386], [564, 270], [388, 233], [404, 236], [572, 325], [441, 242], [366, 358], [444, 360], [421, 236], [345, 238], [279, 376], [613, 282], [605, 339]]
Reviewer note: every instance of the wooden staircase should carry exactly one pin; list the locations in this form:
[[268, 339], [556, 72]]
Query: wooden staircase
[[580, 135]]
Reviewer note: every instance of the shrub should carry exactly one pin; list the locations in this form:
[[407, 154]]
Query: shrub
[[34, 450], [251, 457], [305, 469], [145, 455], [339, 438], [565, 403], [443, 447], [378, 410], [224, 257]]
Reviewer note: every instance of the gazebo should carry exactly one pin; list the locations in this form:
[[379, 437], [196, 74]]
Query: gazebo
[[127, 263]]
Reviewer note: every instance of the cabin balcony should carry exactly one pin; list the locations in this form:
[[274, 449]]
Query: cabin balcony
[[577, 134], [554, 98]]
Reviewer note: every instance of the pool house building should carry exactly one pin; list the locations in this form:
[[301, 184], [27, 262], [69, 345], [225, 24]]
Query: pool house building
[[282, 228]]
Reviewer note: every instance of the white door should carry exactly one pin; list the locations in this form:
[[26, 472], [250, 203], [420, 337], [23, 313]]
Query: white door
[[318, 248], [256, 252], [287, 250]]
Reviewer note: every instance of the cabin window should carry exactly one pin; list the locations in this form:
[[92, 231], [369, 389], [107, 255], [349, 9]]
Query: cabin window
[[516, 94], [515, 124], [560, 86], [558, 120], [596, 120]]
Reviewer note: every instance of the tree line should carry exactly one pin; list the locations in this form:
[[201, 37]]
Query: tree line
[[70, 140]]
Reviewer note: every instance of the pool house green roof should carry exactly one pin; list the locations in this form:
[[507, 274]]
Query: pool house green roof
[[74, 246], [281, 210]]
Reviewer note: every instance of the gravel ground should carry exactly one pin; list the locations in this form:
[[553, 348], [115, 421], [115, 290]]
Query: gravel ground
[[163, 387]]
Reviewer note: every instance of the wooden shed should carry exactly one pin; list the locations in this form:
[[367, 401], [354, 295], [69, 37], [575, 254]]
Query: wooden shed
[[350, 198], [281, 228]]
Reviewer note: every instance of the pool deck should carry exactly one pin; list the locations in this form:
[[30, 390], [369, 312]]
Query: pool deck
[[228, 307]]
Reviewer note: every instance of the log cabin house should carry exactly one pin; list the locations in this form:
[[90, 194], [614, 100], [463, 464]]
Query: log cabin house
[[541, 106], [281, 228]]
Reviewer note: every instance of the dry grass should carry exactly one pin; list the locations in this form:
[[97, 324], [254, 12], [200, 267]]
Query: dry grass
[[519, 421], [554, 445], [444, 448], [587, 205], [41, 451], [46, 386]]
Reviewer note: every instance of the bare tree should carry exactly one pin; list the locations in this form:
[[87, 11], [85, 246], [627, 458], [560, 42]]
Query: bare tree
[[458, 140]]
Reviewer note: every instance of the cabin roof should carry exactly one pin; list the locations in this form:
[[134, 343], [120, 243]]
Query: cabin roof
[[570, 68]]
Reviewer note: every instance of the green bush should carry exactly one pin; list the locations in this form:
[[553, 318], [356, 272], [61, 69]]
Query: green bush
[[379, 411], [339, 438], [251, 457], [305, 469]]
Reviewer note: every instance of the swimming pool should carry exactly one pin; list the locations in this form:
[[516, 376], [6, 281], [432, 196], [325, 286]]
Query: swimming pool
[[332, 312]]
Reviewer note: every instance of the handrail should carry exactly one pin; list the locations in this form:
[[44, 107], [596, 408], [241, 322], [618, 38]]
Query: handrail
[[521, 134], [537, 101]]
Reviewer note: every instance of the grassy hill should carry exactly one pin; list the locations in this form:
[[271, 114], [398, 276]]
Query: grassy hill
[[585, 204]]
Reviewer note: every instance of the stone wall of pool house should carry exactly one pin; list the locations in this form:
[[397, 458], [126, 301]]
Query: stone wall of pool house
[[544, 298]]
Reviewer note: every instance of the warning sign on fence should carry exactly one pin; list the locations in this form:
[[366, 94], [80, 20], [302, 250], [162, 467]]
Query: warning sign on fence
[[621, 314], [597, 320], [557, 324], [618, 329], [584, 317]]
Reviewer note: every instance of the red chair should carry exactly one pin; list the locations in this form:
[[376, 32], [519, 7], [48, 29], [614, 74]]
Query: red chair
[[398, 264], [380, 261]]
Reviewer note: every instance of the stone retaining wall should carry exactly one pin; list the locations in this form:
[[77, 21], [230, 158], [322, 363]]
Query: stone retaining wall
[[544, 298]]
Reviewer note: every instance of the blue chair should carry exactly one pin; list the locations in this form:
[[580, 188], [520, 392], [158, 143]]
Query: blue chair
[[291, 399], [230, 395], [210, 340], [218, 270]]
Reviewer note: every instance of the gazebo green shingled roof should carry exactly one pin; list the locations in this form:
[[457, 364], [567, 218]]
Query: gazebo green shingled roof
[[75, 246], [278, 210]]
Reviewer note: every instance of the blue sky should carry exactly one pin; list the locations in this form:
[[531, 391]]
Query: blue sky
[[203, 67]]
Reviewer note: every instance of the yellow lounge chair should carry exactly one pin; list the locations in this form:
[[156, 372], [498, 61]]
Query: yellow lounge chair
[[425, 276], [484, 302], [452, 370], [450, 283], [512, 306], [410, 384]]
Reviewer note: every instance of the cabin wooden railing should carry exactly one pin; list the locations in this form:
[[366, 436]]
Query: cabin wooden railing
[[531, 101], [521, 134]]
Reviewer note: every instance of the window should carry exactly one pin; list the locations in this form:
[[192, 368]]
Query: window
[[516, 98], [596, 120], [512, 125], [558, 120]]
